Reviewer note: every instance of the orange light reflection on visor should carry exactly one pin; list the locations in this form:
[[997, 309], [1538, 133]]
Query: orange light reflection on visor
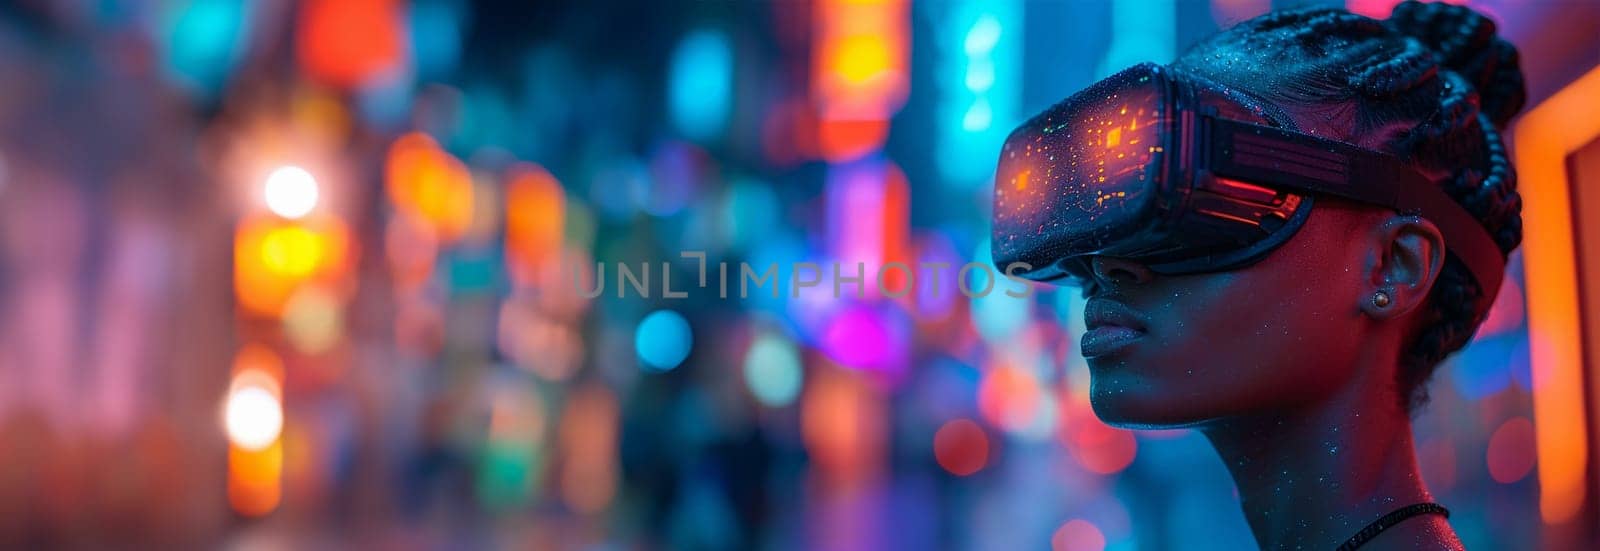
[[1065, 169]]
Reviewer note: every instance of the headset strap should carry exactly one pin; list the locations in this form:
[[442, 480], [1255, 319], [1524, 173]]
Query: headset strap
[[1302, 162]]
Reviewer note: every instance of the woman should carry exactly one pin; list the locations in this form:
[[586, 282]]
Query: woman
[[1302, 365]]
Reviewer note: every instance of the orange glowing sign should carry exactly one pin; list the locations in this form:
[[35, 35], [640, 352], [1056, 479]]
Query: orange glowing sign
[[859, 76], [1544, 138]]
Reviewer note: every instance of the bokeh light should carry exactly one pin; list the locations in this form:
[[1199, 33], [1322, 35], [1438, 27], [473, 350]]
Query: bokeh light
[[961, 447], [411, 198], [290, 192], [1097, 447], [1009, 397], [700, 85], [255, 486], [1510, 455], [588, 440], [430, 185], [535, 209], [273, 257], [772, 370], [254, 417], [663, 340], [204, 40], [1078, 535], [350, 43], [313, 320], [864, 337]]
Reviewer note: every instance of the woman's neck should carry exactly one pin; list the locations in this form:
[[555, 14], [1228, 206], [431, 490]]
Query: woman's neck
[[1313, 477]]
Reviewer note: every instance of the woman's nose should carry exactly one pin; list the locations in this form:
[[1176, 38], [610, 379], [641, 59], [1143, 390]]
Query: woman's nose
[[1112, 272]]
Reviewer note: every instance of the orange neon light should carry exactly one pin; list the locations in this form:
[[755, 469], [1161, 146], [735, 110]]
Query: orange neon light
[[535, 216], [272, 257], [860, 55], [841, 425], [348, 43], [859, 77], [1544, 138], [430, 185], [255, 479]]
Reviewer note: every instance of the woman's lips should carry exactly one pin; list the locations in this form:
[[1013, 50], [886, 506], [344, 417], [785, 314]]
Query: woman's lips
[[1112, 326], [1107, 339]]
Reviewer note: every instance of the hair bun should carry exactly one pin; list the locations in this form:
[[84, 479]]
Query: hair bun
[[1465, 41]]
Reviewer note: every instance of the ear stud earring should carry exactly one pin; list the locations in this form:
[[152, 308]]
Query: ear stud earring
[[1380, 299]]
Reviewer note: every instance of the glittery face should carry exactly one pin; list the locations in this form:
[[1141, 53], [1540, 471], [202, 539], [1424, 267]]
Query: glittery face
[[1281, 332], [1072, 177]]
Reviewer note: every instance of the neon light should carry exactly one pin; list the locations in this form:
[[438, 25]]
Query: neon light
[[663, 340], [701, 84], [253, 419], [204, 42], [961, 447], [435, 37], [273, 257], [859, 77], [1544, 138], [868, 338], [979, 117], [429, 184], [772, 371], [855, 201], [290, 192], [350, 43], [981, 62], [535, 213], [255, 479]]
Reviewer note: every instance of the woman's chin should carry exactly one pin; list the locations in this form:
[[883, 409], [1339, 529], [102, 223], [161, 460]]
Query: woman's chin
[[1133, 405]]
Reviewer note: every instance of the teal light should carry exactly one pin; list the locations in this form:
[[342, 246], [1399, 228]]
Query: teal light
[[663, 340], [980, 63], [204, 39], [772, 371], [507, 474], [435, 37], [701, 84]]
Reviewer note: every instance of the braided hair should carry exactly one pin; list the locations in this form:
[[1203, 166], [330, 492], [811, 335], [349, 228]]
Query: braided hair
[[1433, 85]]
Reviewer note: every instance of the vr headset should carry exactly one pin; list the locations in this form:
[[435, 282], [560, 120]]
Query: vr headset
[[1167, 169]]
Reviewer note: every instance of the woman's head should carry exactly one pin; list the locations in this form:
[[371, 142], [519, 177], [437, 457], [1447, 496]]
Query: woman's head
[[1432, 85]]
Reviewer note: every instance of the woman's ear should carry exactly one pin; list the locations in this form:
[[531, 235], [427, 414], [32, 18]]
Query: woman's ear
[[1410, 254]]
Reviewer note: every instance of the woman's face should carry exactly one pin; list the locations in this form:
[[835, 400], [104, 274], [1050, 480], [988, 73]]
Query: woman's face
[[1280, 332]]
